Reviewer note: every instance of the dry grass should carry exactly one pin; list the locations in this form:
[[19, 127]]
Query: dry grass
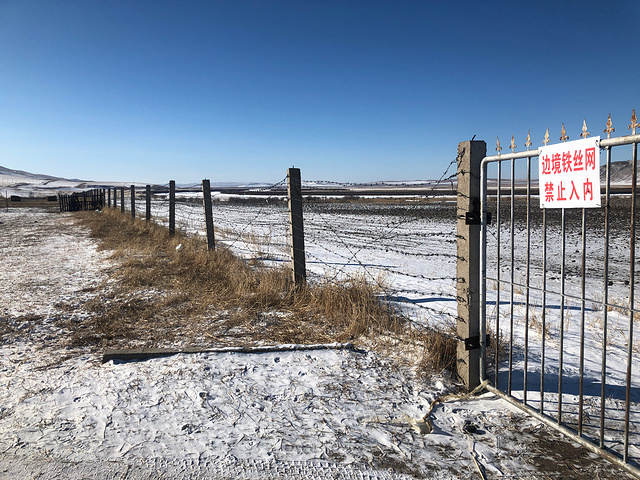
[[164, 296], [440, 352], [215, 293]]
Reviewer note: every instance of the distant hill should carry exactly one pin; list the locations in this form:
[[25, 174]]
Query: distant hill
[[7, 172], [621, 173]]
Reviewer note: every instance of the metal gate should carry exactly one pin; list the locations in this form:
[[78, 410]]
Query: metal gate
[[557, 299]]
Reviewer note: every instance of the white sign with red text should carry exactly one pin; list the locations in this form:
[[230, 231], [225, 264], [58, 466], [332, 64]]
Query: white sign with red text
[[570, 174]]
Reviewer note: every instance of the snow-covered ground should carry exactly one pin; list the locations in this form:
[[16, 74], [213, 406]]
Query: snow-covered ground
[[319, 413]]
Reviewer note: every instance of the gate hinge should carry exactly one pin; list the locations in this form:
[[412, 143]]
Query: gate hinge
[[473, 343], [473, 218]]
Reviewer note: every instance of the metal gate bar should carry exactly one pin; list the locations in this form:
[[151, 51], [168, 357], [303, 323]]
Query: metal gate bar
[[567, 298]]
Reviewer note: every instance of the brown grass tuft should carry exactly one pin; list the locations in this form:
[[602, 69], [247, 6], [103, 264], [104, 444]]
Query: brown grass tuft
[[194, 296], [440, 346]]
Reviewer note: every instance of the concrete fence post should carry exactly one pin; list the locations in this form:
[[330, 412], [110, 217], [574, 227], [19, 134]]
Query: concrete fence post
[[172, 207], [133, 201], [470, 155], [208, 213], [296, 230], [122, 199], [148, 203]]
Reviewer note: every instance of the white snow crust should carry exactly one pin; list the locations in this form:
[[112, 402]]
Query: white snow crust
[[330, 413]]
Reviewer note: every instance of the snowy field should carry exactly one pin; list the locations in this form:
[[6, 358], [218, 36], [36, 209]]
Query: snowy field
[[410, 252], [314, 413]]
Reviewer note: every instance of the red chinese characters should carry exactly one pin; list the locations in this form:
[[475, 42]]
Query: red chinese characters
[[570, 174]]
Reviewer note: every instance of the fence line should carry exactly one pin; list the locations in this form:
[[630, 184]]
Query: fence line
[[338, 240]]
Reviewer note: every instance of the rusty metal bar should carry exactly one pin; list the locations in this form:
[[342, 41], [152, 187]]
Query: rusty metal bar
[[582, 313], [483, 272], [544, 306], [562, 305], [605, 299], [512, 268], [632, 275], [527, 282], [498, 273]]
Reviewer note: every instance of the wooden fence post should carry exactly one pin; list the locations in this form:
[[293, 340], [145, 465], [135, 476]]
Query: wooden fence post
[[470, 155], [148, 199], [122, 199], [133, 201], [109, 197], [296, 230], [115, 198], [172, 207], [208, 213]]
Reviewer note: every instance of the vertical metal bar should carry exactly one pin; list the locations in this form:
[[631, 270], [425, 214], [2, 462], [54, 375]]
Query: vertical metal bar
[[605, 299], [526, 303], [483, 272], [632, 275], [497, 341], [544, 306], [562, 305], [512, 277], [582, 312]]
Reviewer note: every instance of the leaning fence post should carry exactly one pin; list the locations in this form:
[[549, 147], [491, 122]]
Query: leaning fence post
[[122, 199], [148, 205], [133, 201], [208, 213], [470, 155], [172, 207], [294, 190]]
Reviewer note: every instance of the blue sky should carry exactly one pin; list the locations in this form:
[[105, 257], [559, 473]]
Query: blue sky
[[351, 91]]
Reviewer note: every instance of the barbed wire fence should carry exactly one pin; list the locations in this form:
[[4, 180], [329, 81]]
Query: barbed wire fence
[[408, 251]]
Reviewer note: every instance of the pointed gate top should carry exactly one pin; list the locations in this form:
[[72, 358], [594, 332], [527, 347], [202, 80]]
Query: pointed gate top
[[634, 122], [584, 133], [563, 134], [609, 130]]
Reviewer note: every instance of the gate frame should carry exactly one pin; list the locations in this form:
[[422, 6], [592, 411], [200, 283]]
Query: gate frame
[[481, 250]]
